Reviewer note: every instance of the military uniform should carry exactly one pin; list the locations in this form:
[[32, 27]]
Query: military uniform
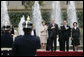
[[6, 37], [6, 41], [27, 44]]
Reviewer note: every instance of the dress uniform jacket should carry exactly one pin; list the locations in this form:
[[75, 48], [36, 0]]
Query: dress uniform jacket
[[6, 40], [26, 45]]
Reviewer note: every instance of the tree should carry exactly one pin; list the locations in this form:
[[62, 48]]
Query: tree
[[29, 4]]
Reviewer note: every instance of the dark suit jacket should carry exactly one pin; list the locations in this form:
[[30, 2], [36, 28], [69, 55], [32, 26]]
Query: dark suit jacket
[[53, 32], [26, 45], [60, 35], [66, 33]]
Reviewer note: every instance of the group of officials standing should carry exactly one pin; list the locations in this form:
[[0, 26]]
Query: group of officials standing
[[27, 44], [64, 32]]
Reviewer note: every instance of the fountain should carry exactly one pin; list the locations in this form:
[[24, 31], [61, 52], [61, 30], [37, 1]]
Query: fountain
[[37, 18], [56, 12], [71, 12], [20, 27], [4, 14]]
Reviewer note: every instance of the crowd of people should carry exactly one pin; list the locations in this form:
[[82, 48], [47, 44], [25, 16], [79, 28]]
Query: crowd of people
[[27, 44]]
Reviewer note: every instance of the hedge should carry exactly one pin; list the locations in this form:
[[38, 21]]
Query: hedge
[[16, 16]]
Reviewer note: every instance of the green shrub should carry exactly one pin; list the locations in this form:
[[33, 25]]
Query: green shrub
[[16, 16]]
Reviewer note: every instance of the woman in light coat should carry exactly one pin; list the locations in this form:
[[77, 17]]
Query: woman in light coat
[[44, 35]]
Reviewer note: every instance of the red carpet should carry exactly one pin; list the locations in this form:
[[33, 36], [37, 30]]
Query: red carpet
[[59, 53]]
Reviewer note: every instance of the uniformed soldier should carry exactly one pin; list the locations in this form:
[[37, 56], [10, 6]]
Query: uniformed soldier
[[6, 40], [27, 44], [6, 37]]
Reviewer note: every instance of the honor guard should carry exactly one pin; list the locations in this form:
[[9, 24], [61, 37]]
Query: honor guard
[[27, 44], [6, 40]]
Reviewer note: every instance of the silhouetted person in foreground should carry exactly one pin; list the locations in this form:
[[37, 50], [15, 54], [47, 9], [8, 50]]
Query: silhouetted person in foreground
[[27, 44]]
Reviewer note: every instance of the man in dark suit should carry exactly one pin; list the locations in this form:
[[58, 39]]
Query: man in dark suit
[[66, 34], [27, 44], [53, 30], [61, 40]]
